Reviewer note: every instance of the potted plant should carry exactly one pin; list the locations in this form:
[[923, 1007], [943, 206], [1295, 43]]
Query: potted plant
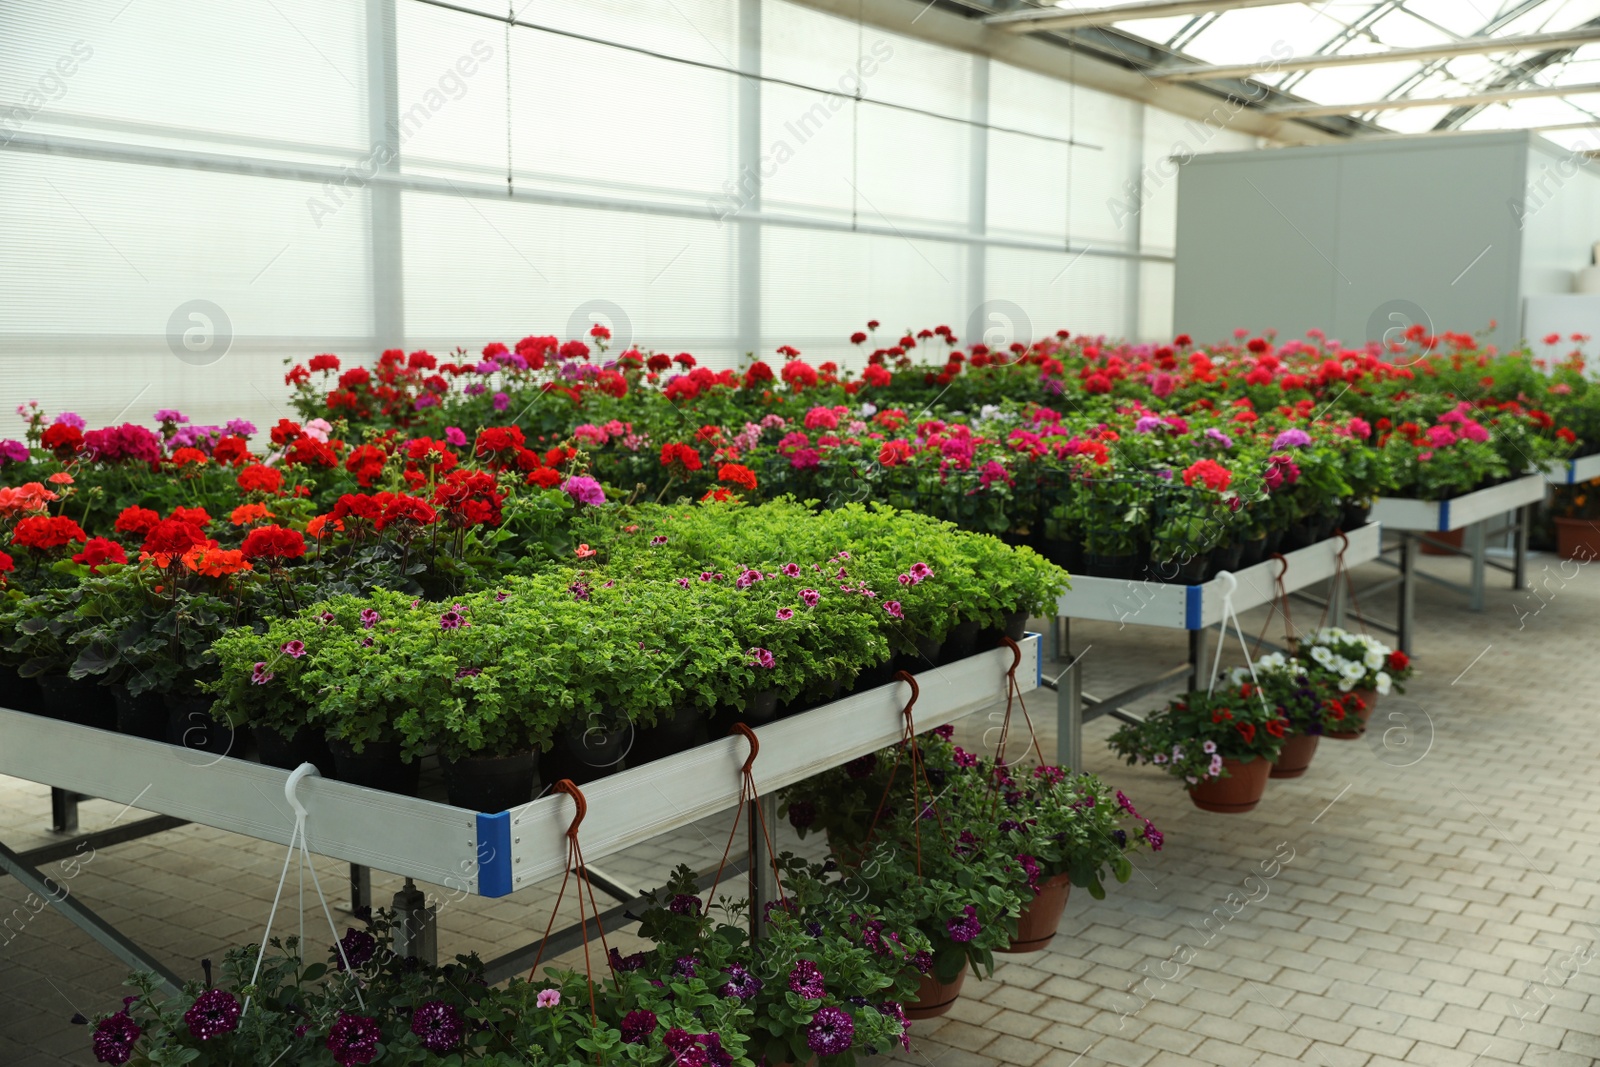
[[1346, 662], [1221, 744]]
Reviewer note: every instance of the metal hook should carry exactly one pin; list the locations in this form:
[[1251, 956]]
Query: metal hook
[[292, 786], [1016, 654], [916, 691], [755, 745], [566, 786], [1283, 566]]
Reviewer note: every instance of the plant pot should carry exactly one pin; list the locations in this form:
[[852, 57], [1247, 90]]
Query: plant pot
[[1578, 539], [934, 997], [1065, 554], [587, 754], [926, 656], [305, 745], [1239, 792], [490, 784], [1295, 757], [1252, 551], [190, 724], [1190, 571], [144, 715], [678, 731], [1036, 925], [1449, 537], [1125, 567], [1354, 516], [960, 642], [1274, 544], [1297, 536], [18, 693], [1227, 559], [873, 677], [1016, 625], [377, 766], [77, 701], [1322, 527]]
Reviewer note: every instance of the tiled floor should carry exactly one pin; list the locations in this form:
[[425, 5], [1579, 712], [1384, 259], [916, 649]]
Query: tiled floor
[[1428, 904]]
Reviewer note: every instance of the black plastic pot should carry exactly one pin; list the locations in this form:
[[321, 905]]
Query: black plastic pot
[[1274, 543], [490, 783], [1017, 624], [1066, 554], [144, 715], [77, 701], [960, 642], [377, 766], [1354, 516], [1297, 536], [1226, 559], [1253, 551], [1190, 571], [679, 730], [1322, 527], [926, 656], [1123, 567], [588, 753], [189, 723], [304, 746], [873, 677], [18, 693]]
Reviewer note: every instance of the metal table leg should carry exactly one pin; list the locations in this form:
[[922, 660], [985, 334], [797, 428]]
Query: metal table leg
[[1408, 590], [1519, 565], [1475, 552], [763, 884], [63, 811], [1069, 703], [1197, 659], [360, 891]]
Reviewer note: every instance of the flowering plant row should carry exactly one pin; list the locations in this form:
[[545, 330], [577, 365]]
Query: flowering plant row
[[827, 979]]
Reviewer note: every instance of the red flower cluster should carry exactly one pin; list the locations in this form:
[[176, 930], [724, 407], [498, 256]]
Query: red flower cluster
[[470, 497], [171, 538], [260, 479], [737, 474], [45, 532], [98, 550], [63, 440], [1210, 473], [273, 542], [136, 521], [366, 463], [681, 456]]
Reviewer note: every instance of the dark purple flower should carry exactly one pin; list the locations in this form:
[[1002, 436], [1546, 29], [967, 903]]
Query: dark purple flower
[[830, 1032], [806, 980], [684, 967], [619, 962], [966, 926], [1120, 837], [1154, 836], [741, 983], [359, 948], [451, 620], [1007, 825], [213, 1013], [945, 732], [438, 1026], [1031, 867], [963, 758], [1127, 805], [802, 814], [861, 768], [114, 1038], [684, 904], [814, 929], [923, 962], [354, 1039], [637, 1026]]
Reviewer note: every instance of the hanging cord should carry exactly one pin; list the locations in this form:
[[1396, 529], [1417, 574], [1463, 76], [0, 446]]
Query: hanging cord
[[290, 790], [1280, 603], [575, 863], [919, 776], [747, 794], [1231, 585], [1350, 583], [1014, 692]]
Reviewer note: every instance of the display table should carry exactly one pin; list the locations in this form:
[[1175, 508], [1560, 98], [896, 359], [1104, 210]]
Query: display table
[[1574, 471], [1195, 608], [1413, 520], [490, 855]]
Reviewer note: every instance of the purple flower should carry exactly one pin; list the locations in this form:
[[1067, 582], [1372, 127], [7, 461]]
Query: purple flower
[[239, 428], [790, 570], [896, 1011], [326, 618], [70, 418], [1154, 836], [963, 758], [213, 1013], [114, 1038], [923, 962], [548, 998], [354, 1039], [966, 926], [763, 658], [293, 649], [893, 608], [1120, 837], [14, 451], [920, 572], [1031, 868], [369, 618], [500, 401], [438, 1026], [861, 767], [785, 614], [658, 540], [1219, 437], [802, 813], [684, 904], [1290, 438], [809, 597], [171, 415], [806, 980], [469, 672], [741, 984], [359, 948], [830, 1032], [684, 967], [259, 675], [619, 962], [584, 490], [1148, 424], [637, 1026], [451, 620], [1126, 804]]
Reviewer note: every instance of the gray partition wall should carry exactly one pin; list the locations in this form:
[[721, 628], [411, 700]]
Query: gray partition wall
[[1367, 237]]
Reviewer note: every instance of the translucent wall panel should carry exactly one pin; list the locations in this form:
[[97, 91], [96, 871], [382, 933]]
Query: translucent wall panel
[[107, 264], [1027, 187], [1086, 294], [1155, 301], [817, 288], [451, 93], [807, 154], [494, 270], [1100, 175], [913, 170]]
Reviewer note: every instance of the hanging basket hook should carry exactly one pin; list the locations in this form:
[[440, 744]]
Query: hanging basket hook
[[1016, 654], [755, 745], [291, 787], [566, 786]]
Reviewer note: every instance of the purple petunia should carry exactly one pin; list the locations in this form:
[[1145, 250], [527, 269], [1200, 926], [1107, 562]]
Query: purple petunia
[[684, 967], [438, 1026], [637, 1026], [114, 1038], [862, 766], [807, 981], [922, 961], [966, 926], [802, 813], [1154, 836], [1126, 804], [831, 1032], [358, 947], [619, 962], [741, 984], [354, 1039], [214, 1012], [684, 904]]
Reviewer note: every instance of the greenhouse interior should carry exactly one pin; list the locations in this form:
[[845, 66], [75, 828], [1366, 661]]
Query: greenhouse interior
[[799, 533]]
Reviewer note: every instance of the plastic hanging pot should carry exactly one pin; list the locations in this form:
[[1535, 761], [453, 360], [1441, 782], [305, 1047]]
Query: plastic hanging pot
[[1369, 700], [144, 715], [77, 701], [490, 784], [1036, 925], [1295, 756], [1227, 559], [934, 997], [1017, 624], [377, 766], [1253, 551], [19, 693]]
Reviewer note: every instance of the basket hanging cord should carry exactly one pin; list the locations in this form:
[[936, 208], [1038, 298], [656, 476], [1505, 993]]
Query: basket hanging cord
[[1230, 586], [748, 793], [297, 842], [919, 776], [1014, 692], [1280, 602], [575, 863], [1349, 582]]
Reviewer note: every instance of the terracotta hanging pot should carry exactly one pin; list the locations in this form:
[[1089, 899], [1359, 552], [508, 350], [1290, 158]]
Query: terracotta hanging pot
[[1295, 757], [1239, 792], [1036, 926], [1369, 701], [934, 997]]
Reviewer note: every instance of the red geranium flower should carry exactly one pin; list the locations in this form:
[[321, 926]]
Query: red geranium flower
[[1247, 730], [45, 532], [737, 474], [257, 478], [63, 440], [366, 463], [325, 362], [681, 455], [136, 521], [1211, 473], [172, 538], [197, 516], [98, 550], [273, 542]]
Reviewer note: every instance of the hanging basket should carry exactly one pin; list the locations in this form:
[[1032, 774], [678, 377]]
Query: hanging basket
[[1238, 793], [1036, 926], [1369, 702], [934, 997], [1296, 756]]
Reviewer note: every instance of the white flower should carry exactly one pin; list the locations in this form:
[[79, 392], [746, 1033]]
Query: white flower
[[1239, 674], [1384, 682], [1373, 659], [868, 410], [1210, 747], [1345, 685], [1322, 655], [988, 411]]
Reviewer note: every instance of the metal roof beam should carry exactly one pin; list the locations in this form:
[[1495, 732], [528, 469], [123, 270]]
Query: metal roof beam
[[1563, 40], [1300, 111], [1054, 18]]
